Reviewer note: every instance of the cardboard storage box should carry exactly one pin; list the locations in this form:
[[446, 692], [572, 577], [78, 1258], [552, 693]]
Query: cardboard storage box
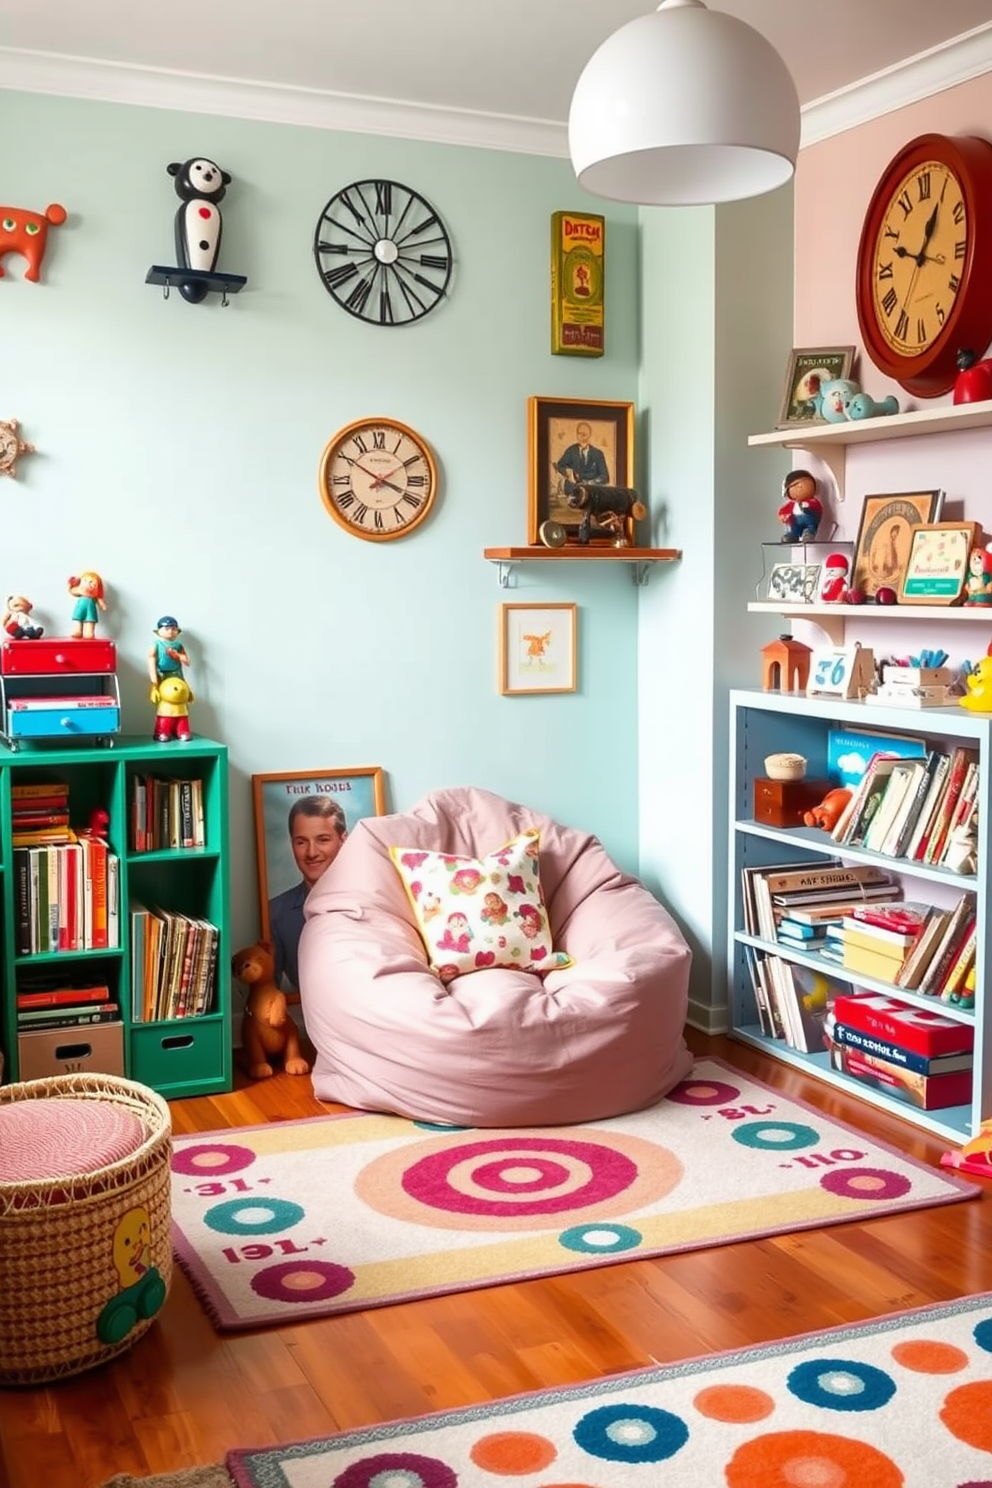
[[86, 1050]]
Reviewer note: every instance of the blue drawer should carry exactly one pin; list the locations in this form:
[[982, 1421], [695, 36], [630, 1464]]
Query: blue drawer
[[65, 722]]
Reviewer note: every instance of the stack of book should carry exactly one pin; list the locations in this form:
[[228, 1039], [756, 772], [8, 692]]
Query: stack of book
[[46, 1003], [915, 1055], [40, 813], [943, 954], [874, 940], [913, 808], [166, 814], [173, 965], [792, 903]]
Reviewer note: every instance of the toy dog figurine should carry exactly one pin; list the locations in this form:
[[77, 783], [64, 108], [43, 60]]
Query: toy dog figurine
[[611, 506], [267, 1030]]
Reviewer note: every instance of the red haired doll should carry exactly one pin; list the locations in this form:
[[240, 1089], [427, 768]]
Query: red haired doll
[[88, 590]]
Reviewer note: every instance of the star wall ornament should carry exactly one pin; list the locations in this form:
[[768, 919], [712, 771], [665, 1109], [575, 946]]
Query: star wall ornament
[[11, 445]]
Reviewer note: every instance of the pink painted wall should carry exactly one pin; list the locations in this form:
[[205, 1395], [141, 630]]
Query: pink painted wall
[[834, 181], [833, 185]]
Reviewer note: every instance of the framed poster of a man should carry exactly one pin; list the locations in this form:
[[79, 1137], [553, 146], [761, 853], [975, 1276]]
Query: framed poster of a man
[[301, 821]]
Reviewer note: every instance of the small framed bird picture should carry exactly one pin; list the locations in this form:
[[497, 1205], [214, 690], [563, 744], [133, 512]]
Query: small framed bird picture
[[538, 648]]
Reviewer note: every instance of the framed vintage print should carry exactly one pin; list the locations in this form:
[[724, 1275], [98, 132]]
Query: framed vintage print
[[538, 648], [793, 583], [885, 537], [808, 367], [301, 819], [937, 568], [570, 443]]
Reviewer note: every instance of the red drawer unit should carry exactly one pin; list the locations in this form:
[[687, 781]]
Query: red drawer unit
[[54, 656]]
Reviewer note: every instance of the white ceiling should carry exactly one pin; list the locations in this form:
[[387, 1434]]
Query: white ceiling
[[509, 58]]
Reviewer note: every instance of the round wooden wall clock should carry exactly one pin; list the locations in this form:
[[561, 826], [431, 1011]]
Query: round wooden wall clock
[[383, 252], [378, 479], [924, 274]]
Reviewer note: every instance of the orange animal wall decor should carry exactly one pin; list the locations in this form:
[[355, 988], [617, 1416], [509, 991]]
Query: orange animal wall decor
[[26, 232]]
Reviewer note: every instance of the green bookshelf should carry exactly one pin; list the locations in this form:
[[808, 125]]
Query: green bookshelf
[[178, 1057]]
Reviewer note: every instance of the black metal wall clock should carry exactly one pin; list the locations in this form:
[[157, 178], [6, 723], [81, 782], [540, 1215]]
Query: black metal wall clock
[[383, 252]]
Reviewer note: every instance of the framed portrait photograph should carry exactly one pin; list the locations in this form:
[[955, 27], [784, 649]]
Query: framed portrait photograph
[[809, 366], [937, 569], [570, 444], [885, 536], [538, 648], [302, 817], [793, 583]]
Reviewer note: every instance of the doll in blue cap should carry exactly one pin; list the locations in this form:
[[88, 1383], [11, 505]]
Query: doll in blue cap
[[167, 657]]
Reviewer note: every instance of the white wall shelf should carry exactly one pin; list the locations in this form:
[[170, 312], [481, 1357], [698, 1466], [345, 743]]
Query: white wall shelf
[[833, 619], [829, 442]]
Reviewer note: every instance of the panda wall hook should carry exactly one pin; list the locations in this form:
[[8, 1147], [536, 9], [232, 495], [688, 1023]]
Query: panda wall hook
[[200, 185]]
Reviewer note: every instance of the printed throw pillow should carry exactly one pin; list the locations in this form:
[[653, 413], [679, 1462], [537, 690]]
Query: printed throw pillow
[[474, 913]]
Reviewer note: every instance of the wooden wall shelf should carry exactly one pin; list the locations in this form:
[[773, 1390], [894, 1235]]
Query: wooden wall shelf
[[640, 560]]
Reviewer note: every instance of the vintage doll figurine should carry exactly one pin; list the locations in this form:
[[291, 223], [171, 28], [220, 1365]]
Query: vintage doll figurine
[[978, 588], [801, 510], [172, 697], [88, 590], [167, 657], [833, 582], [17, 620]]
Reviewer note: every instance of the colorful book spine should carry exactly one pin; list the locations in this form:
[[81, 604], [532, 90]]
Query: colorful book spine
[[868, 1043], [916, 1029]]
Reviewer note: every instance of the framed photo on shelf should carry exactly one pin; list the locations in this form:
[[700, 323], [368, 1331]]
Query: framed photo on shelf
[[570, 443], [885, 537], [793, 583], [808, 367], [538, 648], [301, 820], [937, 568]]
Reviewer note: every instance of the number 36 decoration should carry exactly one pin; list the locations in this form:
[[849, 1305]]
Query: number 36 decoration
[[841, 672]]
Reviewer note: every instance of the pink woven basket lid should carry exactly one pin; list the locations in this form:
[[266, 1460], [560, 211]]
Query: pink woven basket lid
[[62, 1137]]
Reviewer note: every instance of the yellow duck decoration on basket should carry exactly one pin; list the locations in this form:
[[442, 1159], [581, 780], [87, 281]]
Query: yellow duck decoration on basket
[[978, 698]]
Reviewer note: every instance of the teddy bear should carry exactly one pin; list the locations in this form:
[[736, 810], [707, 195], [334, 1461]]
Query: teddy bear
[[828, 813], [267, 1030]]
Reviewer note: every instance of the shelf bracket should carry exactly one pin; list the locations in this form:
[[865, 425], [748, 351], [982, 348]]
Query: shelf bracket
[[503, 572], [640, 572]]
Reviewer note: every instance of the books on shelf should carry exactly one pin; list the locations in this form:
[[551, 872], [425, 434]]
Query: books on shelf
[[166, 814], [173, 964], [43, 1001], [893, 1053], [926, 1092], [919, 1030], [850, 750], [66, 896]]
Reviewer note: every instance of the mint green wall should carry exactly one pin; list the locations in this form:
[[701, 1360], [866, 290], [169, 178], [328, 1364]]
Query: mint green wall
[[178, 452], [716, 311]]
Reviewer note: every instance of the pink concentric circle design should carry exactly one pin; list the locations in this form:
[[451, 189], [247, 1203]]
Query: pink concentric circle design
[[300, 1282], [212, 1159], [704, 1093], [509, 1182], [865, 1183]]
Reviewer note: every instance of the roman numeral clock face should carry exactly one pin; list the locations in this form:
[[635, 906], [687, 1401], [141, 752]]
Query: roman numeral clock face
[[383, 252], [924, 262], [378, 479]]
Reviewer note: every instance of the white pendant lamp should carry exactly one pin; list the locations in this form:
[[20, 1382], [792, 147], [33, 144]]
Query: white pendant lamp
[[682, 107]]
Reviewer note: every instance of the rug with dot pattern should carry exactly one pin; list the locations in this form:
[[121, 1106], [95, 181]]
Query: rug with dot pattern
[[301, 1219], [901, 1402]]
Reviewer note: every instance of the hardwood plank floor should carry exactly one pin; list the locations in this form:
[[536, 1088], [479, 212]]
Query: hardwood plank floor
[[185, 1395]]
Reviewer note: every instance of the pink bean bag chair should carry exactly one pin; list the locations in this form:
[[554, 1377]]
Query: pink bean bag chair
[[503, 1045]]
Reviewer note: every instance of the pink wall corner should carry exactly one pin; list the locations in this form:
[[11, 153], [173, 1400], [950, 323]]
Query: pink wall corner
[[834, 182]]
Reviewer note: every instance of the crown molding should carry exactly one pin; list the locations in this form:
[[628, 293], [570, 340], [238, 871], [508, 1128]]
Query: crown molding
[[956, 61], [945, 66], [273, 103]]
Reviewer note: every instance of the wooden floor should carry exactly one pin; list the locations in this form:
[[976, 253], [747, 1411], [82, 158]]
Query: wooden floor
[[184, 1394]]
